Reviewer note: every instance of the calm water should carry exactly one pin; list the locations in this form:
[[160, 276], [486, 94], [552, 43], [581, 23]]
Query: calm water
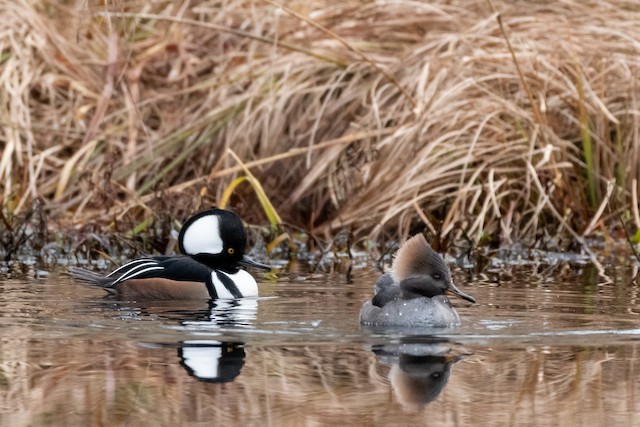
[[534, 351]]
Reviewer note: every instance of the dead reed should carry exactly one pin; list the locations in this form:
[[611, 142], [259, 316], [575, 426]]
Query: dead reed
[[511, 120]]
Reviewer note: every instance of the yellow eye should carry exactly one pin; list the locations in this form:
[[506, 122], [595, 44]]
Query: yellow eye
[[230, 251]]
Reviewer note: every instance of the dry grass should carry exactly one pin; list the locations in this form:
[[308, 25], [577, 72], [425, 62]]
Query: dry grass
[[378, 117]]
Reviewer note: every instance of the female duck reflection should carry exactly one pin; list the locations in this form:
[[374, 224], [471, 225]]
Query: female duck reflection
[[419, 370]]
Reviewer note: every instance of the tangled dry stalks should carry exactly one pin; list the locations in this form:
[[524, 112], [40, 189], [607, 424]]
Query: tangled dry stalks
[[379, 117]]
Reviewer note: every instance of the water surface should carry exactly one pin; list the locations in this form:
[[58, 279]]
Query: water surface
[[534, 351]]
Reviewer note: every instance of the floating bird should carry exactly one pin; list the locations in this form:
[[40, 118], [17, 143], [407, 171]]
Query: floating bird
[[212, 245], [414, 293]]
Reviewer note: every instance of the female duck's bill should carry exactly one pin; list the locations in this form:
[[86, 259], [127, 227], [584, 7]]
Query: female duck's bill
[[414, 294], [212, 244]]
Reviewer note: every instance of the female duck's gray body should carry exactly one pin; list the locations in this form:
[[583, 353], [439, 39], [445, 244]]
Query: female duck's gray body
[[413, 295], [435, 311]]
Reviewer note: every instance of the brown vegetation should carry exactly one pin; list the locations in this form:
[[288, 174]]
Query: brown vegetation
[[377, 117]]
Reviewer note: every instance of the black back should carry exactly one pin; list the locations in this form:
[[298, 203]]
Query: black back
[[180, 268]]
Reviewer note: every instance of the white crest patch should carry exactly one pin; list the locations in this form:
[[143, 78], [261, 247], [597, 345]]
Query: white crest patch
[[245, 283], [202, 359], [203, 236]]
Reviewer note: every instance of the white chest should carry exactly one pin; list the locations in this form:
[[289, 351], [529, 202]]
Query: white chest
[[243, 281]]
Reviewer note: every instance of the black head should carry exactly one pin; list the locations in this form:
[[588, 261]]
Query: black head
[[216, 238]]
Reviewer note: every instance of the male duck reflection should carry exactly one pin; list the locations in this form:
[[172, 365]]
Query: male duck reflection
[[212, 243], [413, 294], [212, 361]]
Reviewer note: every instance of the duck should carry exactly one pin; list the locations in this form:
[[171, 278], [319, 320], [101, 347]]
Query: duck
[[212, 247], [413, 294], [420, 368]]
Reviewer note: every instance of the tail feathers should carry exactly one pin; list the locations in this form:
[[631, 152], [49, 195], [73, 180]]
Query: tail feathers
[[384, 282], [90, 278], [386, 290]]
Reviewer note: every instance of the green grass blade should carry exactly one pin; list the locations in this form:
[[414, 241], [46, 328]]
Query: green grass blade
[[587, 145], [222, 203], [140, 227]]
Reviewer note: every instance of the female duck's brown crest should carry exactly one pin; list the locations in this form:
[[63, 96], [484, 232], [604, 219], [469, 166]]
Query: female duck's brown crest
[[415, 257]]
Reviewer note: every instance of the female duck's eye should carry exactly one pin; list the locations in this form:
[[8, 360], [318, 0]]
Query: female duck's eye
[[230, 251], [436, 276]]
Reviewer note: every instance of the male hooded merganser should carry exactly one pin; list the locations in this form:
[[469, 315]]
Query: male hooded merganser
[[212, 245], [413, 295]]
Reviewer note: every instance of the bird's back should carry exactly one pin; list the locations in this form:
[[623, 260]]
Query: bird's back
[[386, 290]]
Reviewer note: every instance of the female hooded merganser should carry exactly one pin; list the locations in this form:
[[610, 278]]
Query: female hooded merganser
[[413, 295], [212, 244]]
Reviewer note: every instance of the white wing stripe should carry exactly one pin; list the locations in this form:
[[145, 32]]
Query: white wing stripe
[[137, 271], [138, 267], [129, 264]]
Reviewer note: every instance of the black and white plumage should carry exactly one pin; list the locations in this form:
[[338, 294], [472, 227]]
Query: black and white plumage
[[212, 361], [414, 293], [212, 245]]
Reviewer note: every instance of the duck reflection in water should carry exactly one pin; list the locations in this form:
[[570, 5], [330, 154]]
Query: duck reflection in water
[[224, 312], [215, 361], [193, 314], [212, 361], [419, 370], [206, 360]]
